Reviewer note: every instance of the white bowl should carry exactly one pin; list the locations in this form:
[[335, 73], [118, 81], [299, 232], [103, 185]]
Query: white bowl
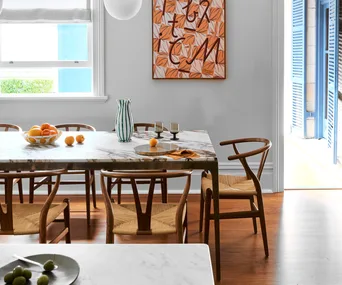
[[41, 139]]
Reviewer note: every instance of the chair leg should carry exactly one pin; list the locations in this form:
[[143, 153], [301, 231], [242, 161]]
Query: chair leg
[[49, 186], [20, 189], [87, 190], [31, 190], [119, 191], [109, 236], [67, 221], [207, 215], [163, 186], [201, 211], [93, 187], [109, 187], [263, 225], [186, 226], [251, 200]]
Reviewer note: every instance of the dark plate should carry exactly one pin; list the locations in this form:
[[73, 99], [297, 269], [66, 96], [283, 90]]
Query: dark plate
[[66, 273]]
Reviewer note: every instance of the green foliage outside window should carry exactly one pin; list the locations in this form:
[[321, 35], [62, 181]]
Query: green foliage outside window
[[28, 86]]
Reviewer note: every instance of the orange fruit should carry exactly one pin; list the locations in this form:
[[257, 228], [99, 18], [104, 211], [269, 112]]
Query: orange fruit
[[35, 127], [45, 132], [34, 132], [153, 142], [69, 140], [45, 126], [80, 138], [53, 128], [52, 132], [42, 141], [52, 139]]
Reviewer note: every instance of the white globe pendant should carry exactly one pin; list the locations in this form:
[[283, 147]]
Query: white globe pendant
[[122, 9]]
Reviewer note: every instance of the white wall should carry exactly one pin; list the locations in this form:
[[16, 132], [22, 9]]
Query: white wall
[[239, 106]]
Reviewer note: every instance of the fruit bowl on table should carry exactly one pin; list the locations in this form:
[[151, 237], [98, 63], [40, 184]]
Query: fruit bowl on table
[[43, 140]]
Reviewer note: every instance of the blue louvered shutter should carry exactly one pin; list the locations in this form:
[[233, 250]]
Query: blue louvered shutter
[[333, 78], [299, 113]]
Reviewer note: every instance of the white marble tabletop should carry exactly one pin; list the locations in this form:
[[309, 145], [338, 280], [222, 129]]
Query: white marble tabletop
[[129, 264], [99, 147]]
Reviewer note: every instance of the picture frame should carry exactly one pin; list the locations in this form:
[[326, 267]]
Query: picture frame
[[189, 39]]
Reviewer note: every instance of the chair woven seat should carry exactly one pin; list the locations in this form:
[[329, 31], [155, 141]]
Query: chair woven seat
[[26, 217], [162, 218], [230, 185]]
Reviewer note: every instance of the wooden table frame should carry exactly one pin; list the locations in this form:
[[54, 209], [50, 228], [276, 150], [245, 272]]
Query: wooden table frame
[[169, 164]]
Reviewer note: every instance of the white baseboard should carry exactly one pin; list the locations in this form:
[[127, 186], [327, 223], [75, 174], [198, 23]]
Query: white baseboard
[[175, 186]]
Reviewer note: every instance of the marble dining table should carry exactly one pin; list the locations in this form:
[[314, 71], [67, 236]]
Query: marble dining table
[[122, 264], [102, 150]]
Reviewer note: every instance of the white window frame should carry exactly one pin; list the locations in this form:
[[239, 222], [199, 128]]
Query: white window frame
[[95, 61]]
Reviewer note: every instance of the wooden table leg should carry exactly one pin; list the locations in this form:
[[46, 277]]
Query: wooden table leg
[[87, 186], [214, 173]]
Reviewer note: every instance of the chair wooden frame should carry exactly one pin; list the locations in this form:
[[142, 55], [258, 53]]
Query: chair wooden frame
[[6, 128], [6, 217], [257, 211], [144, 219], [89, 175], [119, 182]]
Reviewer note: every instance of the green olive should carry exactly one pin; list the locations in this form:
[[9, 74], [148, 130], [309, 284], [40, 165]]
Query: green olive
[[9, 278], [27, 274], [19, 280], [18, 271], [49, 265], [43, 280]]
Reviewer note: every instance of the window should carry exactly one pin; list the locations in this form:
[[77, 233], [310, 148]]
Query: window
[[51, 48]]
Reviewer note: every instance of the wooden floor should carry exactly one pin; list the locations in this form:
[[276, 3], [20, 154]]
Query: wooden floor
[[304, 231]]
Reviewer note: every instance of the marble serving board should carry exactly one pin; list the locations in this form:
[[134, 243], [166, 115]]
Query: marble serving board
[[159, 149]]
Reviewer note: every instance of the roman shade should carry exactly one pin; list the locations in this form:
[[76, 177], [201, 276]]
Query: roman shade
[[46, 11]]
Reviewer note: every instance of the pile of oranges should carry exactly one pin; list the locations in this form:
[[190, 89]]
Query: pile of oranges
[[47, 129], [44, 130]]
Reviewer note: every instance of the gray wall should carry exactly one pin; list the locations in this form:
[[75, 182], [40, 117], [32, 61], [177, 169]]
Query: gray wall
[[236, 107]]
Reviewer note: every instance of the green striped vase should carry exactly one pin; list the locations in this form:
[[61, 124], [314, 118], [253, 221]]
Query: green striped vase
[[124, 120]]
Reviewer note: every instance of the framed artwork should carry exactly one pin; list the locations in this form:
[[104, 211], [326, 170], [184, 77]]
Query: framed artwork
[[189, 39]]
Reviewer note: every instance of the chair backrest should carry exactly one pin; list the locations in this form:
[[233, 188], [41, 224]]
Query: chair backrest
[[263, 151], [10, 127], [144, 218], [6, 208], [75, 127], [146, 126]]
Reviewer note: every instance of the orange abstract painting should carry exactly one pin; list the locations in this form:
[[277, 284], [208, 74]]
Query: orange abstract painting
[[189, 39]]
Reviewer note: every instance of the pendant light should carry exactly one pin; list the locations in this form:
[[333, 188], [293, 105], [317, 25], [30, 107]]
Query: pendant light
[[122, 9]]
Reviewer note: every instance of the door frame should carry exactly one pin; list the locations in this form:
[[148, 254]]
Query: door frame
[[277, 27], [320, 104]]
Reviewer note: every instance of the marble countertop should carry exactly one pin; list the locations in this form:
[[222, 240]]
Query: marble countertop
[[129, 264], [99, 147]]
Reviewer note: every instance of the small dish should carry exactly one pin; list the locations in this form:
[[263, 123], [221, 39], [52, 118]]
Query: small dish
[[41, 139], [66, 274]]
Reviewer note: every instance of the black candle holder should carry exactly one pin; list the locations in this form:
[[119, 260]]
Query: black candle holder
[[174, 136]]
